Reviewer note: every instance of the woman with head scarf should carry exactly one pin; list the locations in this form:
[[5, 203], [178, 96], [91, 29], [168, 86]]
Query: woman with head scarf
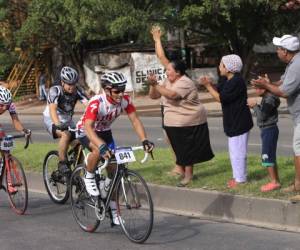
[[231, 92]]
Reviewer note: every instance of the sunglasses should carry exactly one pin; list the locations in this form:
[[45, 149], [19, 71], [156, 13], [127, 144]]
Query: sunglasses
[[117, 91], [4, 105]]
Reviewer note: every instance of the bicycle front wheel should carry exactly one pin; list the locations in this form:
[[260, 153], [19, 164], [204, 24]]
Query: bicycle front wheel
[[16, 186], [56, 184], [134, 206], [83, 208]]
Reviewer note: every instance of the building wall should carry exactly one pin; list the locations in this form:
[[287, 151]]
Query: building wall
[[135, 66]]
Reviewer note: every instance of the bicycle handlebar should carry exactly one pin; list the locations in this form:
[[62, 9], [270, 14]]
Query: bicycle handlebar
[[27, 137], [146, 154], [134, 148]]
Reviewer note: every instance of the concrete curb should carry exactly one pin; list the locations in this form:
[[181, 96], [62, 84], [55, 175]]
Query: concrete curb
[[267, 213], [213, 205]]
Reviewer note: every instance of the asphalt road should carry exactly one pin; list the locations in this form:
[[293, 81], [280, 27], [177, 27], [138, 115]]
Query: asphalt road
[[124, 134], [50, 226], [47, 226]]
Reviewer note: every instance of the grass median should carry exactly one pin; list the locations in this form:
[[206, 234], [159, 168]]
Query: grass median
[[212, 175]]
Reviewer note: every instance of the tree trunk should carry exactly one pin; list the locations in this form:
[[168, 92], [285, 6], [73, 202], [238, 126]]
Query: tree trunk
[[57, 62], [248, 61], [77, 60]]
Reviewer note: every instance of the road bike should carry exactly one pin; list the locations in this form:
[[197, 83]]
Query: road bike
[[15, 179], [55, 182], [127, 188]]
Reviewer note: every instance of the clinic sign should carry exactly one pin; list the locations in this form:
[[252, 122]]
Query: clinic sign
[[144, 64]]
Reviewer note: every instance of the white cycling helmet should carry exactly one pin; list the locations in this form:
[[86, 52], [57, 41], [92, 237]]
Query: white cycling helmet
[[113, 80], [69, 75], [5, 95]]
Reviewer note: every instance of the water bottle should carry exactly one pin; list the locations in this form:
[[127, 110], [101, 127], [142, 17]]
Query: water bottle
[[102, 186], [107, 185]]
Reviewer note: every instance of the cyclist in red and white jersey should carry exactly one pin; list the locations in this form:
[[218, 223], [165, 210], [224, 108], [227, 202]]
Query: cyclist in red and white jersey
[[94, 130], [7, 104]]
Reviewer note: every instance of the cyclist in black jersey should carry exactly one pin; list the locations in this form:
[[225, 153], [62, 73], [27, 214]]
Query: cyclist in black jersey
[[59, 111]]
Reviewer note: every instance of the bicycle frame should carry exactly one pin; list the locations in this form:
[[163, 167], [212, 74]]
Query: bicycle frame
[[16, 184], [6, 157], [79, 152], [120, 168], [128, 190]]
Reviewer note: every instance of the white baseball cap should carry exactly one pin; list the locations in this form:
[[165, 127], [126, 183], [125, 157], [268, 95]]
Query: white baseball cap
[[288, 42]]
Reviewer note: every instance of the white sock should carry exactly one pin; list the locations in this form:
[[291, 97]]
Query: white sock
[[89, 175], [113, 205]]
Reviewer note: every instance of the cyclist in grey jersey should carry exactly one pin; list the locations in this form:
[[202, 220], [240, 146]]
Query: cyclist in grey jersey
[[65, 103], [59, 111]]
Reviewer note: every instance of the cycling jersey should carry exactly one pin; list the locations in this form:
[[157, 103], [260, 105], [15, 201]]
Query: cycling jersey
[[65, 102], [103, 110], [12, 109]]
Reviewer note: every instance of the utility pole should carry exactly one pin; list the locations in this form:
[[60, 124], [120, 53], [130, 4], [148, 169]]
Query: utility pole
[[182, 44]]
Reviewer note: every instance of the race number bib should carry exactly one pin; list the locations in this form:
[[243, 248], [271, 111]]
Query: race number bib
[[124, 155], [7, 143]]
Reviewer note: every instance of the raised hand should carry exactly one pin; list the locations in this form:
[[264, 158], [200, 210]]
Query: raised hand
[[156, 33], [205, 80]]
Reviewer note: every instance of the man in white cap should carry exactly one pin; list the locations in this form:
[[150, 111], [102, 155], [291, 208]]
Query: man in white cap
[[288, 87]]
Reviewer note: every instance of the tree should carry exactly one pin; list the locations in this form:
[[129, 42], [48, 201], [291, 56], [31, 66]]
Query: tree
[[237, 24], [67, 24], [7, 55]]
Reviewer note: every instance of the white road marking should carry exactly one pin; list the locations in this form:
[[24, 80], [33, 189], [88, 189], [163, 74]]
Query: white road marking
[[280, 145]]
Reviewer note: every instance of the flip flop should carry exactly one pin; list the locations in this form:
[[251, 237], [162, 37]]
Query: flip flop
[[290, 189], [184, 183], [175, 174], [269, 187]]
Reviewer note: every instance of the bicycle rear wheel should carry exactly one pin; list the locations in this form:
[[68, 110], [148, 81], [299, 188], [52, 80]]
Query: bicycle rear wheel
[[56, 184], [83, 208], [16, 186], [135, 206]]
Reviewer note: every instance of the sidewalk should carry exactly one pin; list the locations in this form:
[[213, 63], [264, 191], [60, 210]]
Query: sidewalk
[[269, 213], [145, 106]]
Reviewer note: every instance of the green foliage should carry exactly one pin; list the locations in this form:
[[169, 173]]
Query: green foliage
[[234, 24], [7, 56], [239, 23], [62, 22], [7, 59]]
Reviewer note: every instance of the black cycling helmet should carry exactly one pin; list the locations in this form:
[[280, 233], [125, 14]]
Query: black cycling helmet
[[113, 80], [69, 75]]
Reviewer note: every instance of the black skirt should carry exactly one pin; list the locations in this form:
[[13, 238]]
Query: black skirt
[[190, 144]]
